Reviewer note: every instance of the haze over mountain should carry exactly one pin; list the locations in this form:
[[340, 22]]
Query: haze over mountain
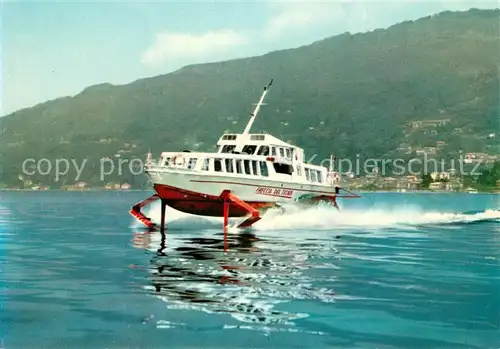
[[347, 95]]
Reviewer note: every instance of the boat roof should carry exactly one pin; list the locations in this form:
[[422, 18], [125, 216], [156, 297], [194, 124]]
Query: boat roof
[[252, 138]]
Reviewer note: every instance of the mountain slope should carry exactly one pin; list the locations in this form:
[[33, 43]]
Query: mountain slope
[[348, 94]]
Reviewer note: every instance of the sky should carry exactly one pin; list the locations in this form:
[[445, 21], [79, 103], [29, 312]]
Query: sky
[[55, 49]]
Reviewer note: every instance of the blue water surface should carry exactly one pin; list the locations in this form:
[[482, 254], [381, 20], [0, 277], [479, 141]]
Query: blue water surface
[[390, 270]]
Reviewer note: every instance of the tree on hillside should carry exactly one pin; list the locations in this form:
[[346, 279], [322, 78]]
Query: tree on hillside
[[488, 178], [426, 180]]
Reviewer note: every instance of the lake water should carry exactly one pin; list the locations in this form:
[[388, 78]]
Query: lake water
[[391, 270]]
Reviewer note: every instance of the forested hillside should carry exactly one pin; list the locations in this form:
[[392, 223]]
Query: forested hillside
[[347, 94]]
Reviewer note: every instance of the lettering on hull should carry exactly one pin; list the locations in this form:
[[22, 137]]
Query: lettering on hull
[[284, 193]]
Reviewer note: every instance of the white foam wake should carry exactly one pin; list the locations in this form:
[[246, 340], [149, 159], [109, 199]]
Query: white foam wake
[[296, 217], [328, 218]]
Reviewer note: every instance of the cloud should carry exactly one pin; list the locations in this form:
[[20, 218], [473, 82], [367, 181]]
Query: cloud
[[295, 16], [291, 23], [171, 45], [299, 17]]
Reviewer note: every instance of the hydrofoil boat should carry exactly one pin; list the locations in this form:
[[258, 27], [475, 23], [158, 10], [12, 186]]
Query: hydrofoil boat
[[248, 174]]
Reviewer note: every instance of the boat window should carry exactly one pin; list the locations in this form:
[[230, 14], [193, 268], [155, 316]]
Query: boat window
[[313, 176], [283, 168], [238, 166], [298, 171], [288, 153], [229, 165], [192, 163], [228, 148], [273, 151], [247, 166], [257, 137], [320, 178], [206, 164], [249, 149], [255, 171], [282, 152], [229, 137], [218, 165], [263, 150], [308, 174], [263, 169], [167, 161]]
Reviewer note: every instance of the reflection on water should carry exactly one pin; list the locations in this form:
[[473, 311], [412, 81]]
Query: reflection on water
[[234, 276], [426, 278]]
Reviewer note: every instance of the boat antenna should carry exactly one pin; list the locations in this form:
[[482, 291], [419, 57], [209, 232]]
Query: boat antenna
[[253, 115]]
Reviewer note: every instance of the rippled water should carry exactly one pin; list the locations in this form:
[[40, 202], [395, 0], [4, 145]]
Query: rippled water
[[389, 271]]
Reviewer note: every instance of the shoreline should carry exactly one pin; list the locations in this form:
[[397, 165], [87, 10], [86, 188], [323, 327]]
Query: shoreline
[[423, 191]]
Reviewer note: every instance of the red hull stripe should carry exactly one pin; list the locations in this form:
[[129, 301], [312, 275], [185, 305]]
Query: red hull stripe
[[279, 196], [267, 186], [203, 204]]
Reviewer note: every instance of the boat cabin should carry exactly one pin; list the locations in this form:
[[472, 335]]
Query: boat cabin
[[244, 165], [251, 155], [260, 144]]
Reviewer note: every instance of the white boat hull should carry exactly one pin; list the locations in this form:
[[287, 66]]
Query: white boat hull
[[247, 189]]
